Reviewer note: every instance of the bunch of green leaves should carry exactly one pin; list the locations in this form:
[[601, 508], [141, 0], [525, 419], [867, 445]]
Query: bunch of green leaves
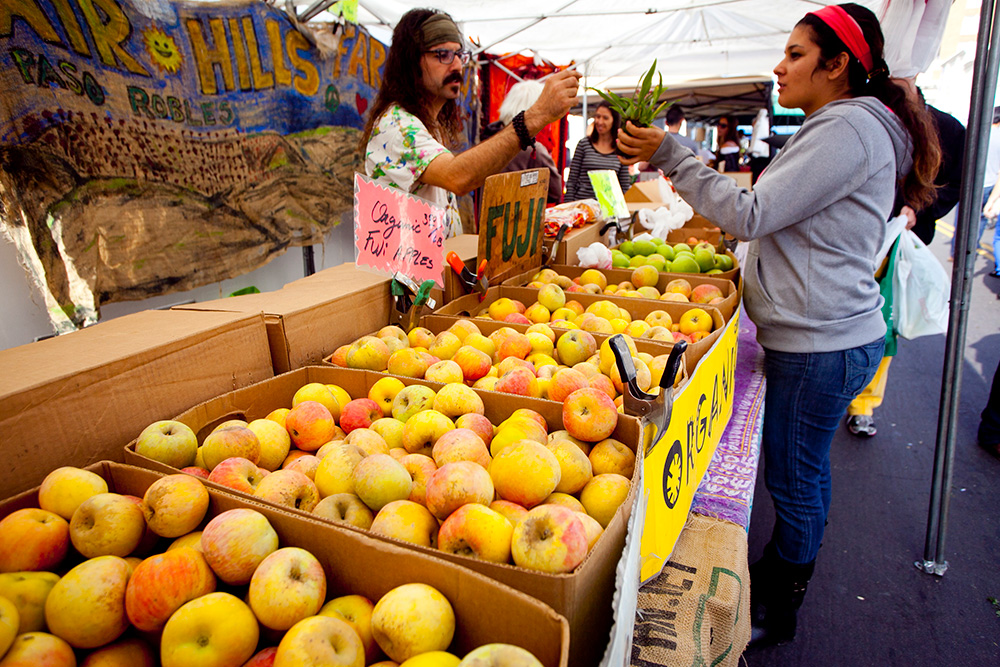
[[641, 108]]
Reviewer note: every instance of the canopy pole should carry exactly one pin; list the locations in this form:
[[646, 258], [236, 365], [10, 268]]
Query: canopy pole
[[984, 82]]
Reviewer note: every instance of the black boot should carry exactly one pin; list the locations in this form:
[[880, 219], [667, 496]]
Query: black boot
[[777, 589]]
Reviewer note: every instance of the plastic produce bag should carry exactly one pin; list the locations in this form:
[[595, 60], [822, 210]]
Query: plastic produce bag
[[921, 289], [595, 256]]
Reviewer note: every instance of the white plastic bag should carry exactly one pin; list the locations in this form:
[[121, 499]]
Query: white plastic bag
[[920, 289], [595, 256]]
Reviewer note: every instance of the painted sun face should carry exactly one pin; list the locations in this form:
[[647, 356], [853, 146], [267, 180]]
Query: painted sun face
[[163, 50]]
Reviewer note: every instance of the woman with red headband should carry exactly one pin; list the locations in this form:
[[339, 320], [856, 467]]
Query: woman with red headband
[[815, 220]]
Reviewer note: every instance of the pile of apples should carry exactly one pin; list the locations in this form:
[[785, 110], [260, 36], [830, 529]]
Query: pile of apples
[[643, 285], [425, 467], [694, 256], [536, 363], [603, 317], [208, 597]]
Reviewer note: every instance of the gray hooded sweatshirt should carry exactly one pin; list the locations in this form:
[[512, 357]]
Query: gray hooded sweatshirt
[[815, 220]]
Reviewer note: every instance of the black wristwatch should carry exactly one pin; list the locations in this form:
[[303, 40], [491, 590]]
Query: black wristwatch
[[521, 129]]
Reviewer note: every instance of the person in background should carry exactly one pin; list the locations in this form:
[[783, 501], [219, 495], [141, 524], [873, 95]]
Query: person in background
[[988, 436], [989, 181], [951, 137], [675, 120], [595, 152], [521, 96], [415, 121], [814, 226], [728, 153], [760, 151]]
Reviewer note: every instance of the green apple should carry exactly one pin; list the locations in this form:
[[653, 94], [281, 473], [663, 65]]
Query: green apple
[[681, 246], [170, 442], [723, 262], [626, 247], [705, 258], [656, 260], [685, 263], [644, 247], [638, 260]]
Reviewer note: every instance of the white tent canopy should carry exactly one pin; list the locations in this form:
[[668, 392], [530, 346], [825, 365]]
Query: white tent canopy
[[615, 42]]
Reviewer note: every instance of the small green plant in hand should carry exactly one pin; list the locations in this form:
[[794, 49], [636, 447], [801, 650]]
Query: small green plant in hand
[[641, 108]]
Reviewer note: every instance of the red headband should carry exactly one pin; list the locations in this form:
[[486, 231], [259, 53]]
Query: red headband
[[849, 32]]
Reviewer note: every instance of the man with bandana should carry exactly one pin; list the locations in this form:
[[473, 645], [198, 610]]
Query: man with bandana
[[414, 122]]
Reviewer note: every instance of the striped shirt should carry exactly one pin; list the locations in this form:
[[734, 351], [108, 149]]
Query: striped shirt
[[587, 158]]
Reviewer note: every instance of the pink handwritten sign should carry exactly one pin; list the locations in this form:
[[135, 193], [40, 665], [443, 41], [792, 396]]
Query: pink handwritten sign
[[395, 231]]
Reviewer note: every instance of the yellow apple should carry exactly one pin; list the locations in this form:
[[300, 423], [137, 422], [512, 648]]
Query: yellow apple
[[550, 538], [408, 521], [525, 472], [215, 630], [412, 619], [476, 530], [357, 611], [175, 505], [380, 479], [345, 508], [108, 524], [86, 607], [384, 391], [575, 468], [131, 652], [235, 542], [28, 591], [32, 539], [288, 586], [10, 621], [38, 649], [495, 655], [603, 495], [170, 442], [65, 488], [335, 473], [274, 443], [320, 640], [696, 319]]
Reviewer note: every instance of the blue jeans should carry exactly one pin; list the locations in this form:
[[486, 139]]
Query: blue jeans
[[807, 395]]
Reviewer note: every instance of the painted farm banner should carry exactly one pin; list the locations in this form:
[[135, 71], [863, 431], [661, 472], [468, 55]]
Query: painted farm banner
[[153, 146]]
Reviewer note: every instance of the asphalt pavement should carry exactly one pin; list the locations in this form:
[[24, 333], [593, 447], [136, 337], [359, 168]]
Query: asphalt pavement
[[867, 603]]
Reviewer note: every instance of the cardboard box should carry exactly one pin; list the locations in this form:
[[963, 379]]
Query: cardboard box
[[79, 398], [581, 237], [355, 563], [683, 234], [584, 596], [310, 318], [614, 276], [645, 194], [638, 308], [743, 178], [466, 246]]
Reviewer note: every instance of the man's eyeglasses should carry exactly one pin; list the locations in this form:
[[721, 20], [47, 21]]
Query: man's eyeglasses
[[447, 56]]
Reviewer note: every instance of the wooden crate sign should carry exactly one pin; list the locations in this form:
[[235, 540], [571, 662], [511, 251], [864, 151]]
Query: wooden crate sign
[[510, 222]]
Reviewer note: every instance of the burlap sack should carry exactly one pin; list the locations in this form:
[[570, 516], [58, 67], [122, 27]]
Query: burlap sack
[[697, 612]]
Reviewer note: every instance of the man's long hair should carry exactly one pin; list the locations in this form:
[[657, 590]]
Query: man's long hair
[[402, 84]]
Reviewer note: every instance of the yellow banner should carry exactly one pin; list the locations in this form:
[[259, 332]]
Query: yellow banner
[[675, 465]]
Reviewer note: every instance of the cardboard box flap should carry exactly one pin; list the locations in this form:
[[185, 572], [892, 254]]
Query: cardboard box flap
[[81, 397], [646, 191]]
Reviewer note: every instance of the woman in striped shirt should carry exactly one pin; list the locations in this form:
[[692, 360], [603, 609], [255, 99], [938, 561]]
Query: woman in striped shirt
[[597, 151]]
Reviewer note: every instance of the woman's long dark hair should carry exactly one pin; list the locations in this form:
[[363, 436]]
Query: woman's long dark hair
[[731, 133], [616, 122], [918, 185], [401, 83]]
